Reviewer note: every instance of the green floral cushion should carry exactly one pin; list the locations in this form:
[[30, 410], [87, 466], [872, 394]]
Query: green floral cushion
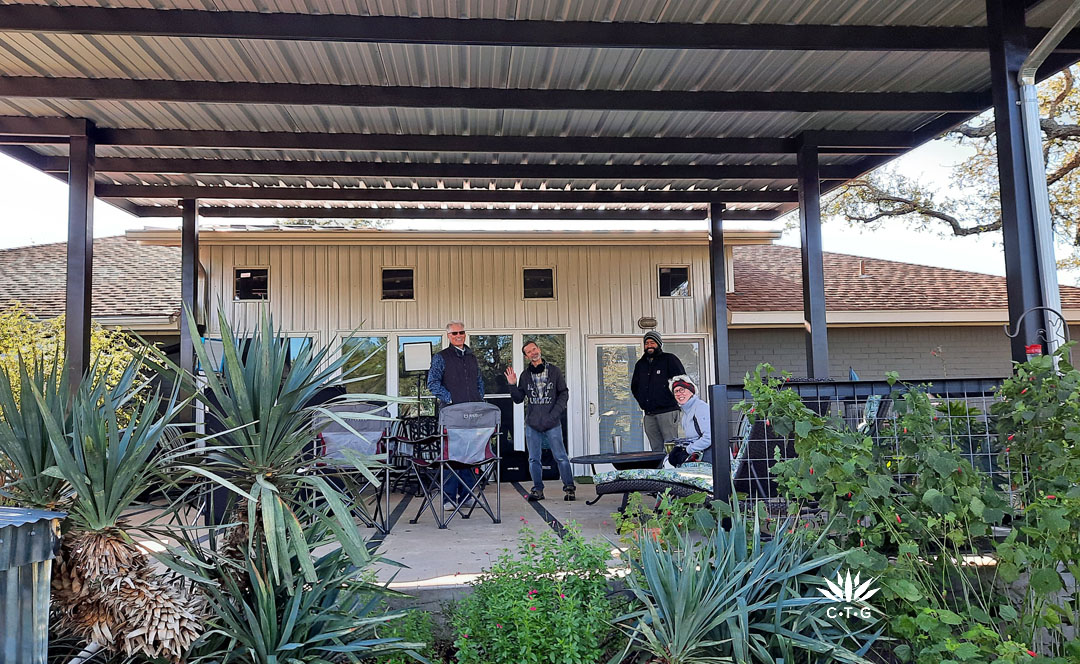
[[695, 474]]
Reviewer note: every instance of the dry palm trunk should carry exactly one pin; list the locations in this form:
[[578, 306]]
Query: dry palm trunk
[[106, 591]]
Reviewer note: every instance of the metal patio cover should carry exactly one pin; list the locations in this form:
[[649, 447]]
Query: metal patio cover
[[474, 108]]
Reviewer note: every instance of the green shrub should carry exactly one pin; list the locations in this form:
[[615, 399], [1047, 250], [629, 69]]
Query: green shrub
[[914, 513], [547, 603], [738, 597]]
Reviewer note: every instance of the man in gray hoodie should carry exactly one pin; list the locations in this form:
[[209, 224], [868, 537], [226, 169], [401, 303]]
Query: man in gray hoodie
[[545, 388]]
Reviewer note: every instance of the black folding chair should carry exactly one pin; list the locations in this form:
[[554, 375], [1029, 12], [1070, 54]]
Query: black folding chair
[[468, 441], [369, 423]]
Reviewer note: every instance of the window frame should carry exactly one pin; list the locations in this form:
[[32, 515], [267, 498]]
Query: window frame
[[554, 283], [269, 290], [382, 290], [689, 282]]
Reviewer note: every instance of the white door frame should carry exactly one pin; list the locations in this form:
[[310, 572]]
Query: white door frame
[[592, 384]]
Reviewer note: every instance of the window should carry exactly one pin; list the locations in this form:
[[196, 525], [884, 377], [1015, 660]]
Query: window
[[414, 384], [674, 281], [367, 361], [397, 283], [252, 283], [539, 283]]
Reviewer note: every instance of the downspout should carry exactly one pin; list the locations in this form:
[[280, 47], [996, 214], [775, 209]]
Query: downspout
[[1036, 168]]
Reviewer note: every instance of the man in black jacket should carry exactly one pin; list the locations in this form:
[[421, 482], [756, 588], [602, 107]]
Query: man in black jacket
[[650, 388], [544, 386]]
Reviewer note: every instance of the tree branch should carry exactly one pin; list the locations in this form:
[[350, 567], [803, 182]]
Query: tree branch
[[876, 196]]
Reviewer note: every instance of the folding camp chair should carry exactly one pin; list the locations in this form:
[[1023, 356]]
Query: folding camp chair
[[468, 441], [369, 439]]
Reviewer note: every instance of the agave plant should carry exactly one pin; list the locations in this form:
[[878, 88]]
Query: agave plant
[[268, 413], [263, 621], [24, 440], [104, 586], [737, 597]]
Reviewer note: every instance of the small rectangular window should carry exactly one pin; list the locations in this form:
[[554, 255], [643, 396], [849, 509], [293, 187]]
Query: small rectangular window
[[397, 283], [252, 283], [674, 281], [539, 283]]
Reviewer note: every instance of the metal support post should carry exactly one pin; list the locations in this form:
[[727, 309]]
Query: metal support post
[[80, 255], [813, 267], [719, 409], [1008, 48], [189, 280]]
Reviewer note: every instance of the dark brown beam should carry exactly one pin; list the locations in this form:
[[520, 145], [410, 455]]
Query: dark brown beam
[[813, 270], [80, 260], [841, 142], [12, 139], [307, 27], [444, 195], [490, 98], [359, 169], [55, 127], [455, 214], [189, 280]]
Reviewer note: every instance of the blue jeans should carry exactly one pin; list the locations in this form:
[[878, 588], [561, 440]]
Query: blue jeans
[[456, 483], [534, 440]]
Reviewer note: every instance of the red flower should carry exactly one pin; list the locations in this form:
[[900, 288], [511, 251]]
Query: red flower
[[861, 543], [1052, 497], [959, 470], [849, 495], [532, 608], [1023, 391], [768, 423], [562, 596], [531, 593], [811, 470], [898, 519], [1033, 653], [905, 429], [751, 410], [498, 625]]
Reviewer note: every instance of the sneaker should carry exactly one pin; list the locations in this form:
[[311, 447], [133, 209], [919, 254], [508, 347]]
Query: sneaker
[[449, 506], [469, 502], [535, 495], [569, 493]]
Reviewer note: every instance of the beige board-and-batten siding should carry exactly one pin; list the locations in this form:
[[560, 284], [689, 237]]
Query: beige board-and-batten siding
[[327, 290]]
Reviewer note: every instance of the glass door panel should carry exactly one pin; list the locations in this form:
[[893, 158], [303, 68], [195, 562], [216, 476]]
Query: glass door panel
[[613, 411], [414, 383], [689, 352]]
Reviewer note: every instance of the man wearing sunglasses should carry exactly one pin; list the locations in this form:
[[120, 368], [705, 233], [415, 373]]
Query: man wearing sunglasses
[[454, 377]]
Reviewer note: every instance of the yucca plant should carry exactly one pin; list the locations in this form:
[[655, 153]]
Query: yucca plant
[[736, 597], [24, 439], [336, 618], [264, 456], [104, 587]]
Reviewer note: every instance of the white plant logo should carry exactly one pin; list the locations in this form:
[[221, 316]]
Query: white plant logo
[[850, 593]]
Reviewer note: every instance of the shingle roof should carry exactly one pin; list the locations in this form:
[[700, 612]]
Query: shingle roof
[[129, 279], [769, 278], [144, 280]]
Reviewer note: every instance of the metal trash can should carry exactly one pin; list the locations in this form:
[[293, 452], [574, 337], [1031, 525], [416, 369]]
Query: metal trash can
[[29, 539]]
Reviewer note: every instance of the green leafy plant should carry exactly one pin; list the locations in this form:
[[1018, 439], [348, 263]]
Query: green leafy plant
[[916, 513], [414, 627], [24, 438], [738, 597], [264, 456], [262, 621], [548, 603], [1038, 421]]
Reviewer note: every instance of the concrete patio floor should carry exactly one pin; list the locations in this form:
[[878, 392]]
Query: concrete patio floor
[[451, 557]]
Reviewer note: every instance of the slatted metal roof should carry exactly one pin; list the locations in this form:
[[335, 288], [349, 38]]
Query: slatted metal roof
[[389, 105]]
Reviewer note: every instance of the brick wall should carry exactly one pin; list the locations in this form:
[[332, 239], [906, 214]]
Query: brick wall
[[964, 351]]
